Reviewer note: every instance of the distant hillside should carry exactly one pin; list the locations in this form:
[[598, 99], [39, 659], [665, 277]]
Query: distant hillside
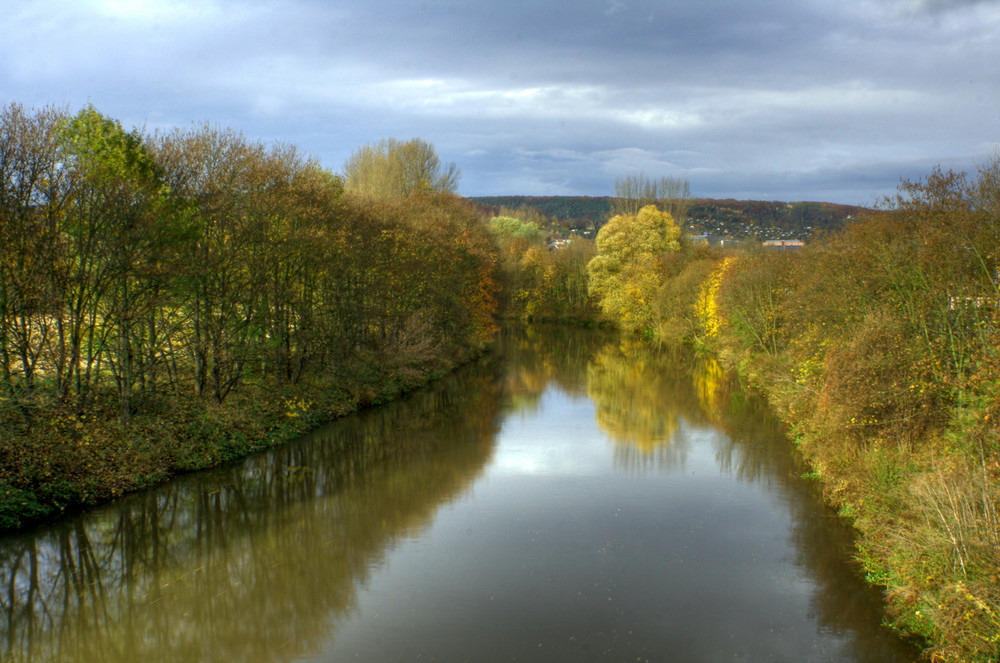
[[766, 219], [721, 218], [579, 211]]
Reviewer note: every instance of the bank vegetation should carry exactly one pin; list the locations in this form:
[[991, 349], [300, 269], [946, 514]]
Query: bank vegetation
[[878, 345], [170, 301]]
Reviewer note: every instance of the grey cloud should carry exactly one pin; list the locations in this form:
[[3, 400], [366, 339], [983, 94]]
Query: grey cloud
[[934, 6], [782, 99]]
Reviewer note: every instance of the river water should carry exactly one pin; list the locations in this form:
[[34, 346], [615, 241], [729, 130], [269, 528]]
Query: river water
[[571, 498]]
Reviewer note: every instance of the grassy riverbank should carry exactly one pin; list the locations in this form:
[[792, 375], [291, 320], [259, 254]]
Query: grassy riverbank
[[70, 461], [878, 345], [925, 505]]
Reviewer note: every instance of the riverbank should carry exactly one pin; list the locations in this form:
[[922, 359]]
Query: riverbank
[[924, 507], [878, 347], [584, 474], [172, 301], [68, 462]]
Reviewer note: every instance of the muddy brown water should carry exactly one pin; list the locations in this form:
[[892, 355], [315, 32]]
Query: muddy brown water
[[571, 498]]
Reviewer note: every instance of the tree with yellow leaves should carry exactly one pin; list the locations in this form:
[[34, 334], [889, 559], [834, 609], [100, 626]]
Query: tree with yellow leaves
[[706, 308], [393, 168], [629, 269]]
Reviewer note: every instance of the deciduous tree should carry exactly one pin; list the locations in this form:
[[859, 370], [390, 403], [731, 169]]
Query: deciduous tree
[[629, 269], [392, 168], [633, 192], [34, 190], [134, 240]]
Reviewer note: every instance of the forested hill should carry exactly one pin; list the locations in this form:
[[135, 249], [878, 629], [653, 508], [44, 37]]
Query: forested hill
[[724, 218], [578, 211]]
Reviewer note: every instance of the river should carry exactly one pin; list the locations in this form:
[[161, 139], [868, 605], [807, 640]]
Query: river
[[573, 497]]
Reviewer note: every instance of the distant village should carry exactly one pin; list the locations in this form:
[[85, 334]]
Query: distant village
[[778, 225], [693, 238]]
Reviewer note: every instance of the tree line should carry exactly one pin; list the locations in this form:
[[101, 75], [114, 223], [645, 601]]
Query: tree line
[[147, 278]]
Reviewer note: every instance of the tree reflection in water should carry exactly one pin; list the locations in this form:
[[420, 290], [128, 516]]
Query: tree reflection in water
[[251, 562], [261, 561]]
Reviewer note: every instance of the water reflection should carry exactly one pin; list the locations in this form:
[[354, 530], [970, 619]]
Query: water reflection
[[654, 405], [282, 557], [651, 402], [537, 358], [249, 563]]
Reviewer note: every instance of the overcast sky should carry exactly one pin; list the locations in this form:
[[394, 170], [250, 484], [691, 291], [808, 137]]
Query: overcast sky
[[832, 100]]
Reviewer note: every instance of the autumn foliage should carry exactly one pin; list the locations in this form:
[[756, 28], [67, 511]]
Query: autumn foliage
[[540, 282], [630, 266], [171, 300], [878, 345]]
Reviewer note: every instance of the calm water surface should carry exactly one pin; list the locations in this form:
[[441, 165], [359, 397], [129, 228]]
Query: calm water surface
[[575, 499]]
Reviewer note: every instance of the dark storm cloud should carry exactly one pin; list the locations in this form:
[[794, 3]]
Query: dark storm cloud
[[782, 99]]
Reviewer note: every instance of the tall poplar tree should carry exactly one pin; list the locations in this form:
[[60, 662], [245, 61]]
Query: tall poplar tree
[[392, 169], [670, 194]]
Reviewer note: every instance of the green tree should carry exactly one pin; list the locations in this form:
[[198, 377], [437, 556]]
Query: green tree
[[129, 239], [629, 268], [249, 292], [507, 229], [567, 297], [392, 168]]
